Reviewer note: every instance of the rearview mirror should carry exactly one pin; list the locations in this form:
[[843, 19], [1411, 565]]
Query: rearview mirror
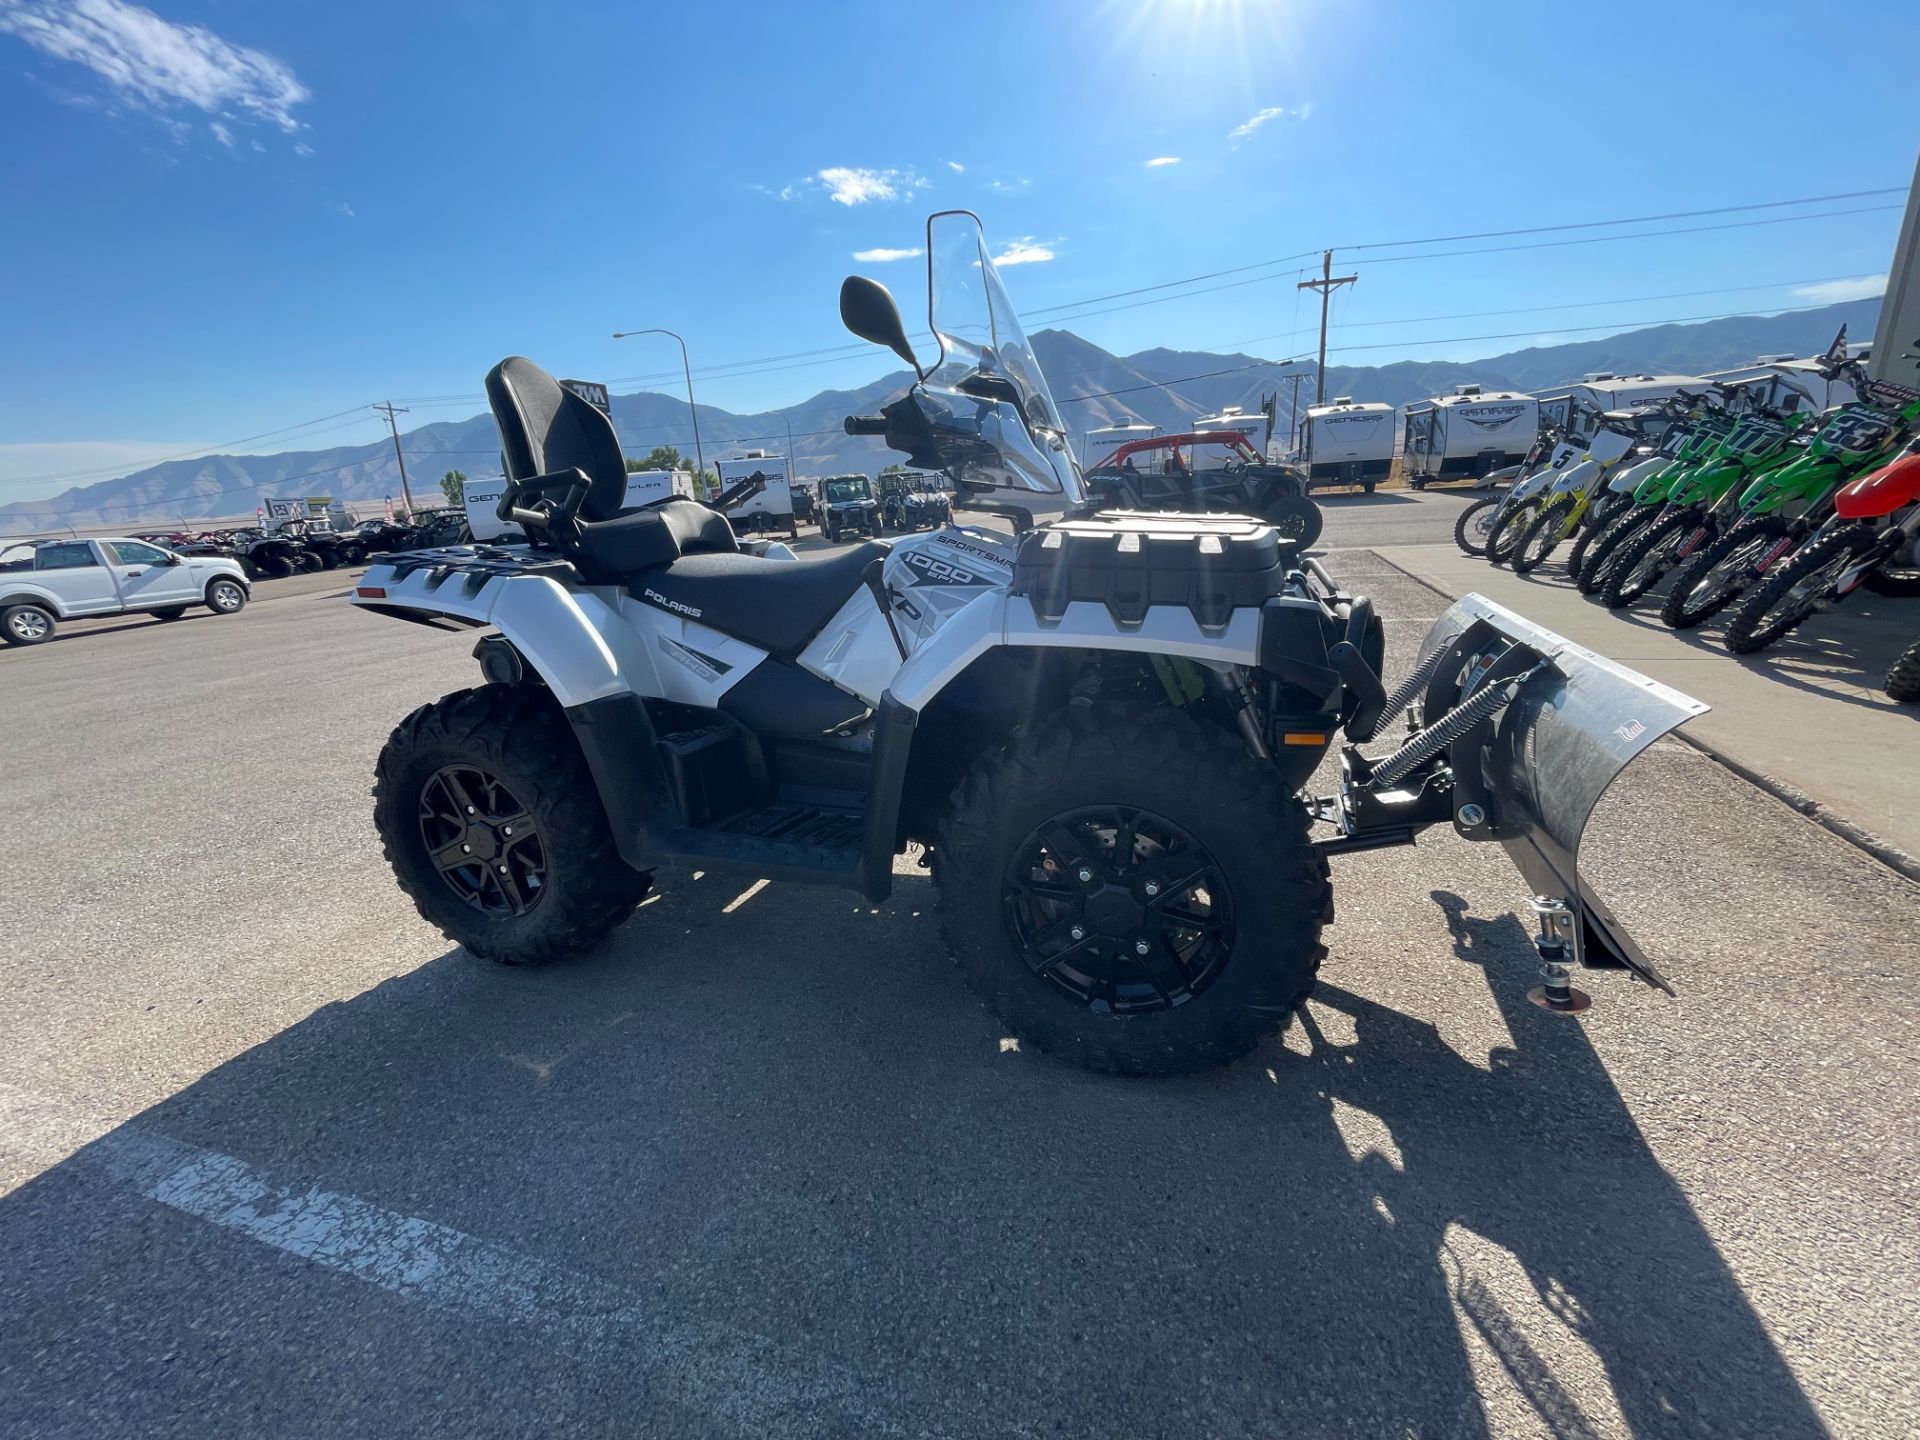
[[867, 309]]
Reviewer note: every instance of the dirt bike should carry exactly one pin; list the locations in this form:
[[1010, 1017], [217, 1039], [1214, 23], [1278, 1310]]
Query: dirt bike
[[1696, 509], [1616, 444], [1706, 429], [1869, 540], [1486, 527], [1098, 728], [1784, 506]]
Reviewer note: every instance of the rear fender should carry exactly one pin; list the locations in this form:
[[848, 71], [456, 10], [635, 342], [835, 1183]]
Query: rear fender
[[1543, 762], [573, 638], [1881, 492]]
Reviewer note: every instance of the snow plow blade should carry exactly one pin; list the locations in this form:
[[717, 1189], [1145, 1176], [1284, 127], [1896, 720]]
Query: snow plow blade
[[1539, 765]]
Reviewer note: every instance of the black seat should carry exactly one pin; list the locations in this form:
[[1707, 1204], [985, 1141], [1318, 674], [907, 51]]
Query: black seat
[[778, 605], [548, 431]]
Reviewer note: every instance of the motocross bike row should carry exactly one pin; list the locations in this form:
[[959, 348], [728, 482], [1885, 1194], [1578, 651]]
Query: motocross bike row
[[1736, 502]]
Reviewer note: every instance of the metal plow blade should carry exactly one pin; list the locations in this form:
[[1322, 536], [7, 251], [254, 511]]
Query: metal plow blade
[[1575, 721]]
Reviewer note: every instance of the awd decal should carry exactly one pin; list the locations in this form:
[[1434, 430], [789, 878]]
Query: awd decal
[[703, 665]]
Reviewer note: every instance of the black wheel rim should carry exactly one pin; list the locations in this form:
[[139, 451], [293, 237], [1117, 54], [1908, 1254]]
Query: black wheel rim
[[1289, 522], [1119, 910], [1729, 577], [1801, 598], [482, 841]]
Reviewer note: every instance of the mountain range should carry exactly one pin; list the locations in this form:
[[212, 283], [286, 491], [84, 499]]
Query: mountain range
[[1169, 388]]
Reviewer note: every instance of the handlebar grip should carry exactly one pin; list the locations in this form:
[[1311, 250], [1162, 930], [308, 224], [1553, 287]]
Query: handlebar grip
[[866, 425], [521, 516]]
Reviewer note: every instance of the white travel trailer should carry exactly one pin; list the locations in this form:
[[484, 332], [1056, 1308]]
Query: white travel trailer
[[644, 487], [772, 507], [1097, 444], [1603, 390], [1797, 377], [1254, 425], [1348, 443], [1467, 435]]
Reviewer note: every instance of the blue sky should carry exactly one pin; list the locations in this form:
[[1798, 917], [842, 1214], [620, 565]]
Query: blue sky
[[225, 218]]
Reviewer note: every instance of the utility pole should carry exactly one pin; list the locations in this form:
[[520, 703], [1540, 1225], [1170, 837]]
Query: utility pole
[[1293, 411], [1326, 285], [389, 409]]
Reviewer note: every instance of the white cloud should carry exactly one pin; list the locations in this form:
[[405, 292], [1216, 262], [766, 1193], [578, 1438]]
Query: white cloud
[[882, 254], [222, 134], [956, 167], [341, 207], [1003, 186], [1832, 292], [303, 149], [1025, 251], [157, 64], [849, 185], [1160, 160], [1273, 112]]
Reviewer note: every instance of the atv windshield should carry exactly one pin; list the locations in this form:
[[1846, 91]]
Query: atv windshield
[[840, 492], [974, 321]]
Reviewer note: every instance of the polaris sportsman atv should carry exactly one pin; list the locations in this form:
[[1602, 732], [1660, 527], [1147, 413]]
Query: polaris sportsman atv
[[1098, 729]]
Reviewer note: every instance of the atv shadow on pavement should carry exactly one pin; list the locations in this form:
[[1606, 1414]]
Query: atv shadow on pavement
[[728, 1176]]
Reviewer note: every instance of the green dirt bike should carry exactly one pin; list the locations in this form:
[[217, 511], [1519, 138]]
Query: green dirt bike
[[1696, 511], [1692, 442], [1783, 506]]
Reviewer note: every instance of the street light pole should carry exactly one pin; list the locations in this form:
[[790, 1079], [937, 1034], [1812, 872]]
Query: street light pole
[[699, 459], [792, 464]]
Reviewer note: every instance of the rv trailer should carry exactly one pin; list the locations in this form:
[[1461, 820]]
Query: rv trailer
[[1348, 443], [1467, 435], [768, 508]]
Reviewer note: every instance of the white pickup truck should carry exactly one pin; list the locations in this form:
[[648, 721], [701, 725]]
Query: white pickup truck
[[45, 581]]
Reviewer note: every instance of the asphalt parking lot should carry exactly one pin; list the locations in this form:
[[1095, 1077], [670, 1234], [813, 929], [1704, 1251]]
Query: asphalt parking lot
[[275, 1159]]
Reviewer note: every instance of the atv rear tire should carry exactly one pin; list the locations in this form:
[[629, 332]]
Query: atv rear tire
[[503, 755], [1903, 680], [1471, 525], [1199, 918], [1297, 519]]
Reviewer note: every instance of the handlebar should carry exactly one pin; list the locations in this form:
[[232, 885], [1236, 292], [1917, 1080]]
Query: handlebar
[[866, 425]]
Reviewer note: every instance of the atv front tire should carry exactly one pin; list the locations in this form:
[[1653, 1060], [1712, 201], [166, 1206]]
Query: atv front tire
[[490, 819], [1131, 891]]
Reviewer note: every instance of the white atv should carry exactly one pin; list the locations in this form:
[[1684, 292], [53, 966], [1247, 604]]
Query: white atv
[[1099, 729]]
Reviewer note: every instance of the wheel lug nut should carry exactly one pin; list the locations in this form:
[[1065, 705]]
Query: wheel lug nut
[[1085, 875], [469, 809], [1140, 947], [466, 849], [1153, 888], [509, 830], [1079, 932], [503, 869]]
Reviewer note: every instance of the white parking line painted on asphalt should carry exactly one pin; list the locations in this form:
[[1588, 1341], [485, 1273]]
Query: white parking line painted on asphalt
[[750, 1383]]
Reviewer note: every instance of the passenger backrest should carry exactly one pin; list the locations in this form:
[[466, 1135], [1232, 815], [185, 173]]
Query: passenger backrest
[[545, 427]]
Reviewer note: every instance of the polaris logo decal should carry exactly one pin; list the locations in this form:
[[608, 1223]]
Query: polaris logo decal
[[692, 612], [978, 552], [1493, 417], [705, 666]]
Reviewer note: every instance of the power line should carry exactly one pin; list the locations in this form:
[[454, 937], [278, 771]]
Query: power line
[[1633, 220]]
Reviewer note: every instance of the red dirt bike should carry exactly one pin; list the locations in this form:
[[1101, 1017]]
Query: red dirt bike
[[1870, 541]]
